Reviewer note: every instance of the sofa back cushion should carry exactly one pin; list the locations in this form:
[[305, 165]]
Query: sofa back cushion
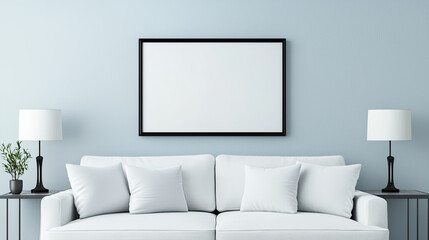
[[230, 174], [197, 174]]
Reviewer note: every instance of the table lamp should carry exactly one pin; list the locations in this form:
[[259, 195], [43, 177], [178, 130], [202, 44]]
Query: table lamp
[[40, 125], [389, 125]]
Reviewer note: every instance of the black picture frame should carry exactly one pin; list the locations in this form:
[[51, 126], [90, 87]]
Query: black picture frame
[[141, 41]]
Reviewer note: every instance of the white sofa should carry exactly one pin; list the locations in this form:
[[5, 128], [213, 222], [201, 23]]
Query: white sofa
[[213, 190]]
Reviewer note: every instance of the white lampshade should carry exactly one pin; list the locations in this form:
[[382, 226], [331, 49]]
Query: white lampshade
[[40, 125], [389, 125]]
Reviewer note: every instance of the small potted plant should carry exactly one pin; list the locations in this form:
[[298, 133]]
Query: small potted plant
[[16, 164]]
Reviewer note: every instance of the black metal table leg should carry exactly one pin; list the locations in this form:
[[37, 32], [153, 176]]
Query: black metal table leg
[[7, 218], [19, 219], [417, 214], [408, 219]]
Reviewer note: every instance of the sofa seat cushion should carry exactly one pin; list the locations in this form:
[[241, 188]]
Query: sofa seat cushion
[[154, 226], [268, 225]]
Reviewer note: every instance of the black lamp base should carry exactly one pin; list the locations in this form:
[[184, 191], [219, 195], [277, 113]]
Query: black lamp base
[[390, 188], [39, 186], [39, 189], [390, 184]]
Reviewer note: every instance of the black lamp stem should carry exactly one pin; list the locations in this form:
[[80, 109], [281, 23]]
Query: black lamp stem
[[39, 186], [390, 148], [390, 184]]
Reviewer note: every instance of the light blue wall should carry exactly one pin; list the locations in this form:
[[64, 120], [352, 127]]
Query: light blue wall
[[343, 58]]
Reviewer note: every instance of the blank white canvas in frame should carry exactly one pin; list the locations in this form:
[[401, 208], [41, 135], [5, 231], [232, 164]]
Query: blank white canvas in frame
[[212, 87]]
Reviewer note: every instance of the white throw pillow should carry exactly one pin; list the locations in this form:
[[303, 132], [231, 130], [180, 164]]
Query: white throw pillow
[[327, 189], [98, 190], [271, 189], [156, 190]]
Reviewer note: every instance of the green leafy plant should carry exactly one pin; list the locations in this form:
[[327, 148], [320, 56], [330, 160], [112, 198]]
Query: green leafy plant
[[16, 159]]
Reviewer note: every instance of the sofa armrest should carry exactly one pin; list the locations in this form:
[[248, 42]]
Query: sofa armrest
[[56, 210], [370, 210]]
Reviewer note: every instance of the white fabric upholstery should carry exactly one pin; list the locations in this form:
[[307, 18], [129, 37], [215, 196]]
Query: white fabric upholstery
[[156, 226], [58, 213], [279, 226], [271, 189], [327, 189], [56, 210], [230, 174], [370, 210], [197, 172], [156, 189], [98, 190]]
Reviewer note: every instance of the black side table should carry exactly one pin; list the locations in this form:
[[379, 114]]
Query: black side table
[[406, 194], [23, 195]]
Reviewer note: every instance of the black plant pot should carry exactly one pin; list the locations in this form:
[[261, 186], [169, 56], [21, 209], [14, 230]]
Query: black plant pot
[[15, 186]]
